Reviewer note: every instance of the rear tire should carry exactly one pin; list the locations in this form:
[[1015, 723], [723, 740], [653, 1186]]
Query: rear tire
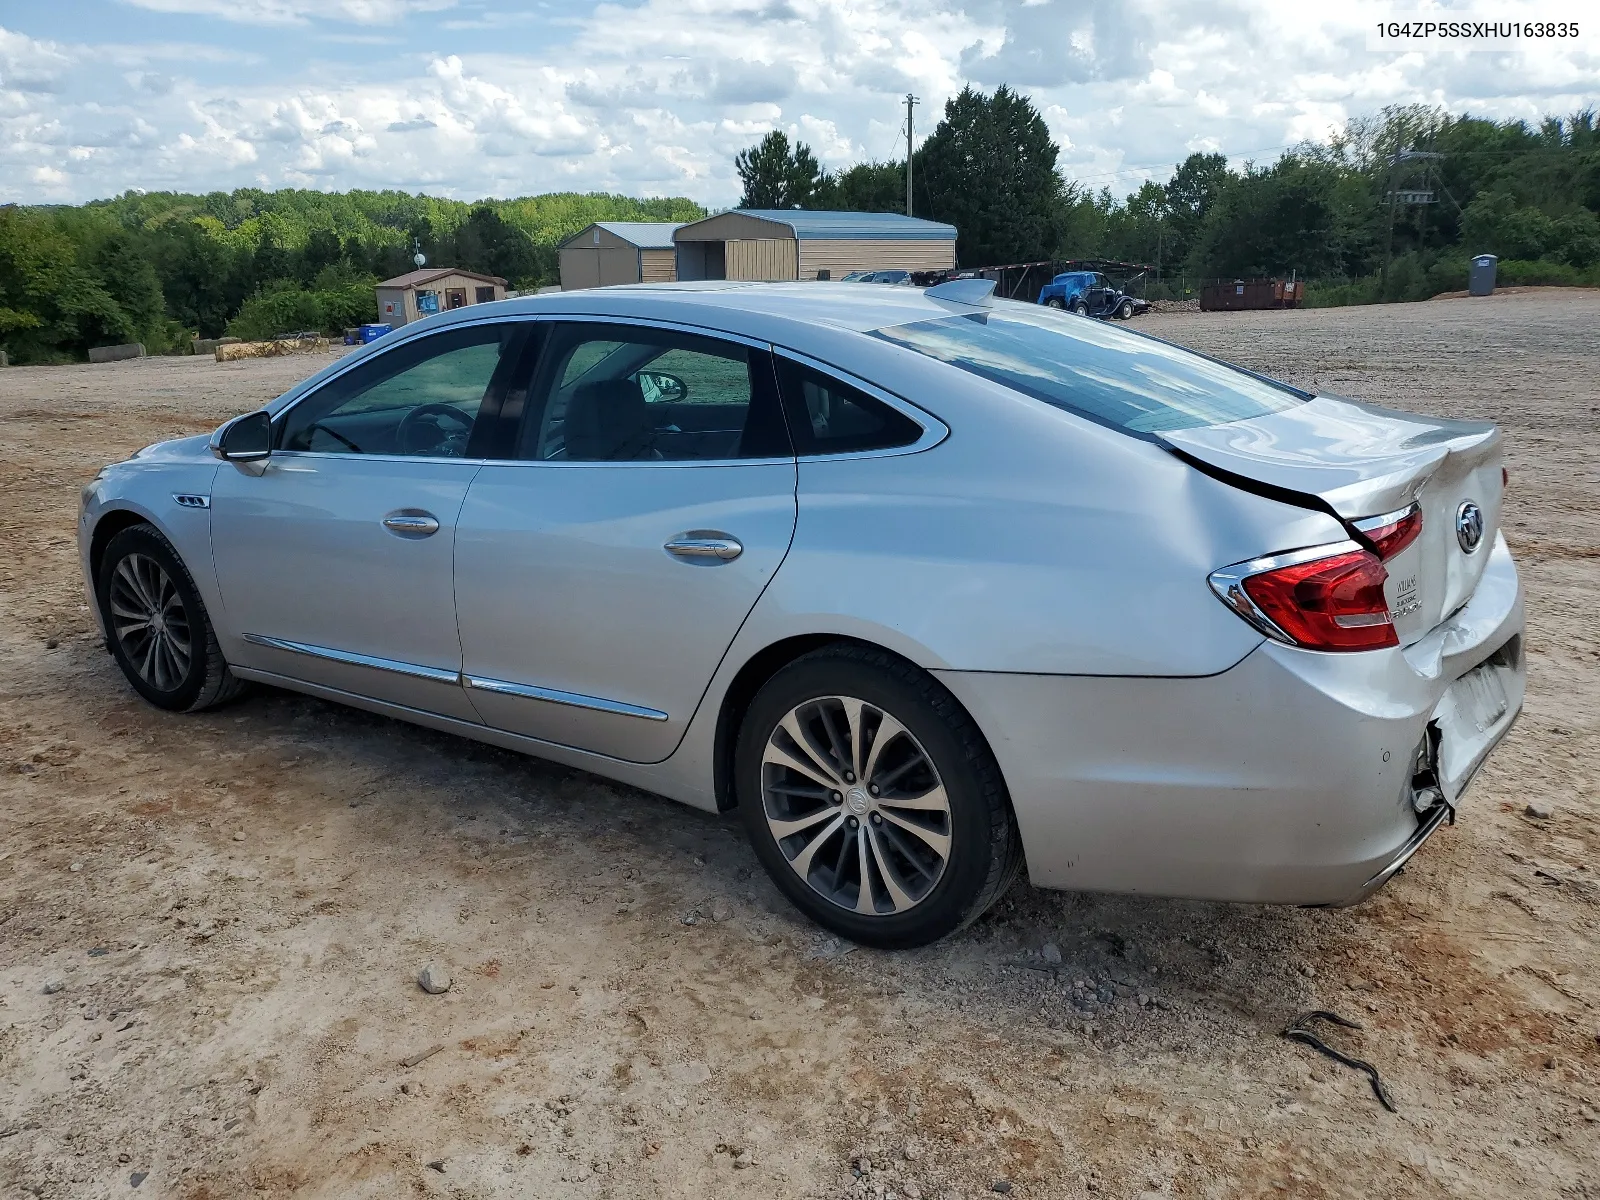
[[1054, 302], [156, 624], [1080, 308], [930, 848]]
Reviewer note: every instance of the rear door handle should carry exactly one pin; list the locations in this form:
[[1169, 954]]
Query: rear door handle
[[411, 523], [719, 547]]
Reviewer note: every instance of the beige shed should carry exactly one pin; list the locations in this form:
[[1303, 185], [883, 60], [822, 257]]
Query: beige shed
[[781, 243], [418, 294], [609, 252]]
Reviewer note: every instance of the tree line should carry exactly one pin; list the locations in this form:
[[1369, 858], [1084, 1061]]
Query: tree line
[[162, 267], [1390, 208]]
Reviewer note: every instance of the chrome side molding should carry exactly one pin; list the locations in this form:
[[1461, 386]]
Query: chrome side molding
[[499, 687], [571, 699], [415, 670]]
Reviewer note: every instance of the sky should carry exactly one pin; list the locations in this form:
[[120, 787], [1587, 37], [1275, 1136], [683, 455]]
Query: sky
[[466, 98]]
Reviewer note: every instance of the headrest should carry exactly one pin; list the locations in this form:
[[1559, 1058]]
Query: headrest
[[607, 421]]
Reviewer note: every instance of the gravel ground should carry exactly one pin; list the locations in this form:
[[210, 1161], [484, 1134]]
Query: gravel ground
[[211, 927]]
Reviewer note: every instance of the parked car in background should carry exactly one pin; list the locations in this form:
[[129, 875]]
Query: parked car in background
[[1090, 294], [897, 277], [919, 582]]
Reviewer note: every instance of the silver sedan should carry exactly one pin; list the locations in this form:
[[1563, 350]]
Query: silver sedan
[[920, 582]]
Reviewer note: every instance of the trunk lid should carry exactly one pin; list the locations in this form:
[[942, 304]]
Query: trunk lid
[[1359, 461]]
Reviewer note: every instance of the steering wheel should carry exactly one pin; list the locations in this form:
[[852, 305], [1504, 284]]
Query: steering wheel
[[410, 425]]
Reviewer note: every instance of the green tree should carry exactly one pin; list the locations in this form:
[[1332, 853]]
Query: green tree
[[1273, 221], [775, 176], [865, 187], [1190, 193], [989, 169], [487, 242]]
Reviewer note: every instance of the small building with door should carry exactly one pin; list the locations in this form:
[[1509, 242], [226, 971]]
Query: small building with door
[[418, 294], [610, 252], [781, 243]]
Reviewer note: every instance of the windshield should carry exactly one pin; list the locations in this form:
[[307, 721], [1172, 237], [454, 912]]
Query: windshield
[[1122, 379]]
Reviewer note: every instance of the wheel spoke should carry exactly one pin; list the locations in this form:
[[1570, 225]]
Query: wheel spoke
[[932, 800], [778, 756], [802, 862], [127, 574], [853, 709], [782, 829], [888, 730], [865, 902], [841, 752], [888, 780], [897, 894], [148, 658], [806, 741], [937, 842]]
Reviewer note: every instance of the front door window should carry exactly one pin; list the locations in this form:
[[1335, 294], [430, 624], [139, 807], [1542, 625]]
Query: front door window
[[420, 398]]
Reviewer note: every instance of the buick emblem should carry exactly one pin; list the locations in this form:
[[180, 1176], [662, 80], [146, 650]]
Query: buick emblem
[[1469, 526]]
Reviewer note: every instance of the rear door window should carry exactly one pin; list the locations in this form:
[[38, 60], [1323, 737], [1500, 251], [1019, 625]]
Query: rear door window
[[1126, 380], [636, 393]]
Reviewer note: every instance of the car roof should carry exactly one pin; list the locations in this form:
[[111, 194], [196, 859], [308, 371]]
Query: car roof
[[776, 312], [728, 304]]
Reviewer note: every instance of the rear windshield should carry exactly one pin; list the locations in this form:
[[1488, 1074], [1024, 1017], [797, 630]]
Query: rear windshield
[[1118, 378]]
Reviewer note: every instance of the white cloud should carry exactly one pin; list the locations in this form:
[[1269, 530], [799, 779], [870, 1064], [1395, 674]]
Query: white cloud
[[296, 12], [657, 97]]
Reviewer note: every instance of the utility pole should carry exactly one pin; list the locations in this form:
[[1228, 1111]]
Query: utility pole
[[911, 103]]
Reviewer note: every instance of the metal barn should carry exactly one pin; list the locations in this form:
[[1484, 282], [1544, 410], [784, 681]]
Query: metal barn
[[609, 252], [774, 244]]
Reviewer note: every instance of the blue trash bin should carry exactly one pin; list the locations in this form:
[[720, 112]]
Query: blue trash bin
[[371, 333]]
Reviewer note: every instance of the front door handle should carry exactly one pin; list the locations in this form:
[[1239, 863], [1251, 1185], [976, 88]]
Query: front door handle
[[411, 523], [717, 546]]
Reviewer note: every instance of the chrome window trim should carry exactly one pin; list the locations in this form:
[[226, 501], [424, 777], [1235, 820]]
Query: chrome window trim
[[350, 658], [934, 430], [1228, 582], [705, 331], [528, 691], [340, 456]]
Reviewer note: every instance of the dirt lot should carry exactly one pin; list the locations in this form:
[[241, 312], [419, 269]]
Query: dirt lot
[[236, 906]]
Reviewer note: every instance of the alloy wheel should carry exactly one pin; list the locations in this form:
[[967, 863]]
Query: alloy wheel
[[856, 805], [150, 622]]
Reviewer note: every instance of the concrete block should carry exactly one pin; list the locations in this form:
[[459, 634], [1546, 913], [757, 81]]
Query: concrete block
[[105, 354]]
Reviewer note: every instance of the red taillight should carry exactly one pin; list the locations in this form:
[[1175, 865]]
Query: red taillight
[[1392, 532], [1333, 603]]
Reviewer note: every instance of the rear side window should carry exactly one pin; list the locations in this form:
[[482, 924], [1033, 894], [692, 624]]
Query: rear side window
[[828, 416], [1131, 382], [636, 393]]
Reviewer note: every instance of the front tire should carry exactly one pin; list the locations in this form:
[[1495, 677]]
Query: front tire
[[1125, 311], [873, 800], [157, 626]]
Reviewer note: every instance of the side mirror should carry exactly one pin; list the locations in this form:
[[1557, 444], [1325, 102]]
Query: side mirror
[[661, 388], [244, 439]]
